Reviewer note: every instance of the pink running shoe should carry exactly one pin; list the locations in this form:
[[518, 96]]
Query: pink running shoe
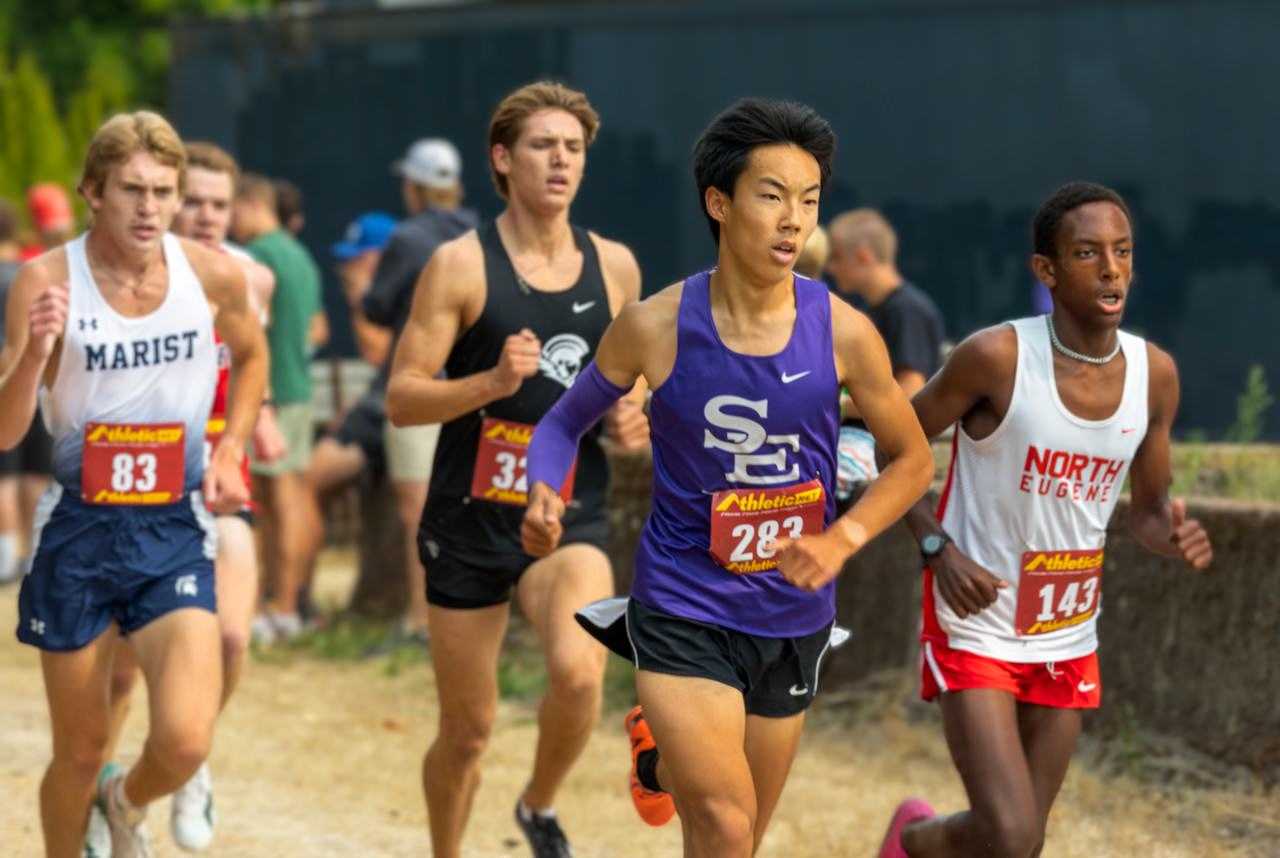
[[911, 810]]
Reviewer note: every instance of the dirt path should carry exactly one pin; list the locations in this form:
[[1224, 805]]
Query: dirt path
[[318, 758]]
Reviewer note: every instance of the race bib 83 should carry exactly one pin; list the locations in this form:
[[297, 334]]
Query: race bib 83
[[133, 464]]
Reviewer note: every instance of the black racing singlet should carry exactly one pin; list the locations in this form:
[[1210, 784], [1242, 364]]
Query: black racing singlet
[[569, 324]]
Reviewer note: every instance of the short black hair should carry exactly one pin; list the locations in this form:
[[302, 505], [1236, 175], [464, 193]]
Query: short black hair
[[1071, 196], [721, 153]]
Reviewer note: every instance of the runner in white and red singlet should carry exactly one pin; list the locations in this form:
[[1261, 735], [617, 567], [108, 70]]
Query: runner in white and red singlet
[[1051, 414]]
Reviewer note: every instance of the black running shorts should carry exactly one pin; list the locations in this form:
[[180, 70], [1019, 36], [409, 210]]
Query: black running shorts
[[778, 677]]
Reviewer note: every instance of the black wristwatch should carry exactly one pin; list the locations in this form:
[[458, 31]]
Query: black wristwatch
[[933, 543]]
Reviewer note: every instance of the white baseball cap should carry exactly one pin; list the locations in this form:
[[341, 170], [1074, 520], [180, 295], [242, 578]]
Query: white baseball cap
[[433, 162]]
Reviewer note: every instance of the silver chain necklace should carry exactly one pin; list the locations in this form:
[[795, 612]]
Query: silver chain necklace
[[1074, 355]]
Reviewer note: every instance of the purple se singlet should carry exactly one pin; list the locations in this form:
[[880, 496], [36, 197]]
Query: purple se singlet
[[744, 451]]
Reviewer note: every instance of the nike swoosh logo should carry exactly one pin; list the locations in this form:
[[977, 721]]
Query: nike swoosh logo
[[1086, 687], [796, 691], [787, 377], [582, 308], [1127, 431]]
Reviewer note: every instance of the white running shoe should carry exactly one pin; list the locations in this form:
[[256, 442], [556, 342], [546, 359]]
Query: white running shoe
[[191, 816], [262, 631], [97, 838], [129, 835]]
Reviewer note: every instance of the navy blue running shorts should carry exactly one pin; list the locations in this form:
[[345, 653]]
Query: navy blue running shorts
[[94, 565]]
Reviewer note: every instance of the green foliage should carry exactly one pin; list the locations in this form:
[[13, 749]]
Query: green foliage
[[1251, 408], [94, 59]]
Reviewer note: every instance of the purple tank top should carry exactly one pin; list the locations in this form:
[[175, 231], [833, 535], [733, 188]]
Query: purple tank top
[[731, 435]]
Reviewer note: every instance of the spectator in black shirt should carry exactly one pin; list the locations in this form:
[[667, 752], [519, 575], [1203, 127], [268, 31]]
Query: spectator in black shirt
[[431, 185], [863, 263]]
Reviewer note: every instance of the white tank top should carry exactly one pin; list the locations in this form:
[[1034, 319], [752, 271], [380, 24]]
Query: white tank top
[[1031, 503], [154, 369]]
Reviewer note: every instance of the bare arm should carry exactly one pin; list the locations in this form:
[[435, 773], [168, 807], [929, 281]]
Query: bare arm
[[862, 362], [226, 287], [626, 423], [449, 296], [910, 380], [372, 341], [1157, 523], [318, 330], [970, 379], [35, 317]]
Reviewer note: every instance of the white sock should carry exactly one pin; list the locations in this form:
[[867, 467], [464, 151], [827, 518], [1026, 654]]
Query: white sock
[[132, 815]]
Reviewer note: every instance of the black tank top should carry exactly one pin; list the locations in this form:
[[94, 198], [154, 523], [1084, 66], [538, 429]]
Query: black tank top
[[569, 324]]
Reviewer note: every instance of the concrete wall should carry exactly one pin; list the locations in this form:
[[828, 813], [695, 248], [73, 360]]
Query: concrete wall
[[1192, 655]]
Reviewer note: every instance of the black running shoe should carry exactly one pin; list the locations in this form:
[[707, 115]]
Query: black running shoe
[[545, 837]]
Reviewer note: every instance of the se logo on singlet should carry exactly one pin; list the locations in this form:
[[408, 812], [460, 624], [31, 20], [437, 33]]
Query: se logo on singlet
[[744, 437], [744, 524]]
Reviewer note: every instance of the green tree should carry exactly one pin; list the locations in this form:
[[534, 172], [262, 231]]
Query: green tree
[[33, 145], [1251, 408]]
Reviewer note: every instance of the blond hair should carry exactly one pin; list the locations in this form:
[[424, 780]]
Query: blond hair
[[209, 156], [813, 256], [866, 228], [126, 134], [508, 117]]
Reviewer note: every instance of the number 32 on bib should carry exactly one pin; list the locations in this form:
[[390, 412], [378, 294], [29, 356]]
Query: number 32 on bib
[[501, 460]]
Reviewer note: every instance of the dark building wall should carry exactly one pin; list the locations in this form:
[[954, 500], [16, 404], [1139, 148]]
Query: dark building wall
[[956, 118]]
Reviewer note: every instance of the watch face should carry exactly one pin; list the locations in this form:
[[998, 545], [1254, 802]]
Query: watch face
[[932, 544]]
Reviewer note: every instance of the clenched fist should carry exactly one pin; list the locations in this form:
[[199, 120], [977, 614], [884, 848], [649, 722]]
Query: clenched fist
[[519, 360], [47, 319]]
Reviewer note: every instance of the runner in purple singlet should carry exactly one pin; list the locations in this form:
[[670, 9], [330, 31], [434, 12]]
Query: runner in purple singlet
[[733, 601]]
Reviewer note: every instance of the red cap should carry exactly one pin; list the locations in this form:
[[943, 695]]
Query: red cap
[[50, 207]]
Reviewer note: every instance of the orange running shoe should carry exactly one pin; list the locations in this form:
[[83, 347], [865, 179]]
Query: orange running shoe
[[655, 808]]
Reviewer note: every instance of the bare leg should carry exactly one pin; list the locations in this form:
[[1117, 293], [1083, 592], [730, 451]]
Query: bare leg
[[236, 577], [464, 655], [76, 686], [549, 592], [332, 466], [182, 664], [124, 677], [700, 728], [771, 745], [290, 542], [410, 498], [1005, 819]]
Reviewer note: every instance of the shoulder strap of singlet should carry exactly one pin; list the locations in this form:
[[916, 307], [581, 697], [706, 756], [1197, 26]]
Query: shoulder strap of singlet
[[591, 270], [694, 324], [499, 274]]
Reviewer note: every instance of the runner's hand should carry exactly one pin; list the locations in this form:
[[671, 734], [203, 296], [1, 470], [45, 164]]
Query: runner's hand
[[541, 530], [47, 320], [269, 444], [224, 488], [967, 587], [1190, 537], [627, 425], [519, 360], [810, 562]]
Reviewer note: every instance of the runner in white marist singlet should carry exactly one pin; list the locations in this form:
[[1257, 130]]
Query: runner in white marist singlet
[[127, 377]]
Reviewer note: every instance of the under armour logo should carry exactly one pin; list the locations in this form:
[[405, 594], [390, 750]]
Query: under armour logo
[[185, 585], [88, 323], [37, 626]]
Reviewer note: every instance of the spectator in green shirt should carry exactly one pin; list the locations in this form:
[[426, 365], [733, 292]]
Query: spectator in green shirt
[[296, 328]]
